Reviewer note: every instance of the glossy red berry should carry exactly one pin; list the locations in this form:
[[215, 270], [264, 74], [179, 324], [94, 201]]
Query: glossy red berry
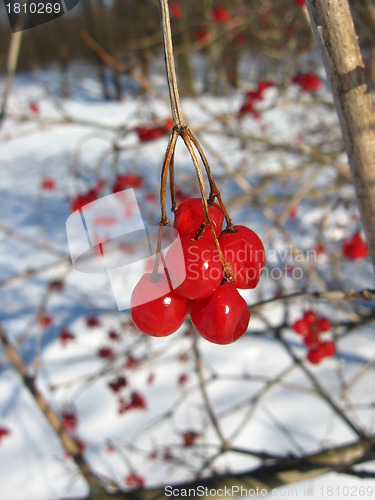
[[324, 324], [188, 218], [328, 348], [244, 250], [155, 309], [301, 327], [315, 356], [310, 317], [223, 317], [201, 273]]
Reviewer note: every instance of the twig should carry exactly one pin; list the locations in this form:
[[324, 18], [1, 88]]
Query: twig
[[13, 54], [177, 116]]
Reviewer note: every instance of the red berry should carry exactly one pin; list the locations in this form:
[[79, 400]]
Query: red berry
[[48, 184], [4, 432], [308, 82], [316, 355], [300, 3], [311, 341], [328, 348], [189, 437], [220, 15], [146, 133], [136, 402], [155, 309], [134, 480], [310, 317], [34, 108], [69, 420], [183, 379], [202, 35], [324, 324], [113, 335], [301, 327], [127, 181], [83, 199], [105, 352], [189, 217], [200, 273], [45, 320], [355, 247], [223, 317], [175, 10], [117, 384], [66, 336], [245, 251], [92, 321]]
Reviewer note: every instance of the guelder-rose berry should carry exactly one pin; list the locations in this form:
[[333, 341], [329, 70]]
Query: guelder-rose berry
[[308, 82], [155, 309], [223, 317], [355, 247], [188, 218], [301, 327], [311, 326], [220, 15], [202, 267], [244, 250]]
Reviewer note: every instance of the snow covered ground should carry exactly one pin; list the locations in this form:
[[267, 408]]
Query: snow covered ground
[[264, 401]]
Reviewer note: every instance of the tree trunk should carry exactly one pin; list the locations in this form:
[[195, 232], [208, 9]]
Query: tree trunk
[[334, 29]]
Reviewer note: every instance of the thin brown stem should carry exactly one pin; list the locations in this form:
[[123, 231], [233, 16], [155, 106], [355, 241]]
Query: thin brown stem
[[215, 193], [168, 158], [172, 185], [227, 268], [174, 96]]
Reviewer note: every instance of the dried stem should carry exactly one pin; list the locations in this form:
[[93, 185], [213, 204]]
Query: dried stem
[[227, 268], [215, 193], [168, 158], [12, 61], [177, 116]]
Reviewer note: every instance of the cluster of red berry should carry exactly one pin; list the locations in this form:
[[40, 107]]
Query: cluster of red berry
[[308, 82], [311, 326], [252, 97], [147, 133], [217, 310], [122, 181]]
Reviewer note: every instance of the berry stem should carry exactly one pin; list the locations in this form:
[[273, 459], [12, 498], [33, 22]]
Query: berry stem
[[185, 134], [215, 193], [172, 185], [168, 159], [174, 96]]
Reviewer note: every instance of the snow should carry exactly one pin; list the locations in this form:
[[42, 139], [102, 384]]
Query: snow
[[261, 397]]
